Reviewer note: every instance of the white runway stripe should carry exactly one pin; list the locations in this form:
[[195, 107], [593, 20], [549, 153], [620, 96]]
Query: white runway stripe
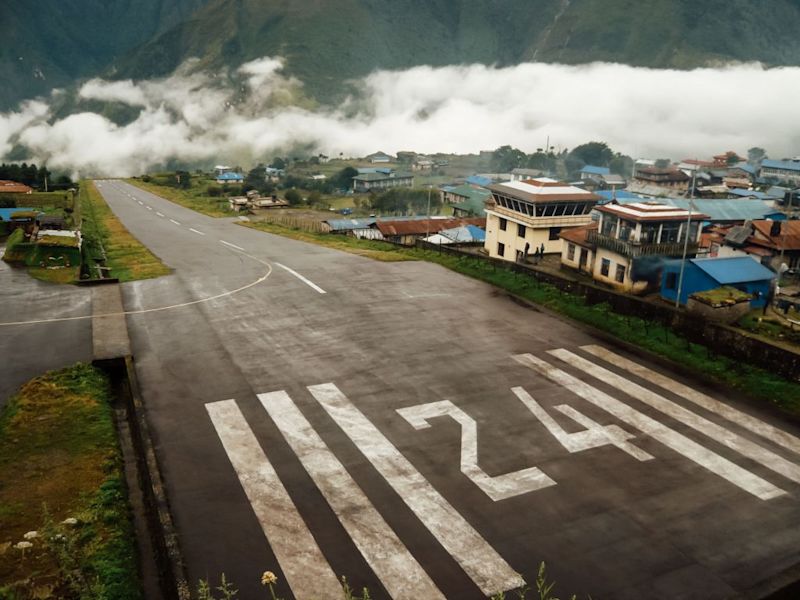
[[750, 423], [195, 231], [490, 572], [232, 245], [298, 554], [160, 214], [400, 573], [308, 282], [149, 207], [716, 432], [174, 221], [672, 439]]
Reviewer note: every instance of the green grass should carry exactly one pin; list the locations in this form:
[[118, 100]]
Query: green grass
[[752, 380], [194, 198], [128, 258], [58, 459]]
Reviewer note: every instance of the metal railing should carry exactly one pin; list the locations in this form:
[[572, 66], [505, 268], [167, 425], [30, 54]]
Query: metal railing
[[635, 249]]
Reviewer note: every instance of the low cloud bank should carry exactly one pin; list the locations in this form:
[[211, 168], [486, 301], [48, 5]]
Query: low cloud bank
[[201, 118]]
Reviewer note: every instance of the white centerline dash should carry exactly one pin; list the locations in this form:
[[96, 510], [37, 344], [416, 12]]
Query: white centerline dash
[[149, 208], [231, 245], [195, 231], [159, 214], [140, 203], [308, 282], [174, 221]]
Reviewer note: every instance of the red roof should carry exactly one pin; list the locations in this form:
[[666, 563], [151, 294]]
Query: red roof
[[425, 226], [578, 235], [12, 187]]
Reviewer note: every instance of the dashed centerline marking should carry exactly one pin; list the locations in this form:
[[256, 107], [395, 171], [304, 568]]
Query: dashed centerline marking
[[159, 214], [195, 231], [149, 208], [174, 221], [308, 282], [140, 203], [232, 245]]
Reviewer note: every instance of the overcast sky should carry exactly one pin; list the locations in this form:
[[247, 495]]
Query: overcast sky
[[459, 109]]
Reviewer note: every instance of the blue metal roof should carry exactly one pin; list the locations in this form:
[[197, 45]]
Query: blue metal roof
[[753, 194], [465, 233], [735, 269], [619, 195], [721, 210], [789, 165], [478, 180], [5, 213], [592, 170], [230, 176], [746, 167]]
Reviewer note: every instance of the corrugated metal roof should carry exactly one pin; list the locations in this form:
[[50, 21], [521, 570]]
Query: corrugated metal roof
[[465, 233], [592, 170], [788, 165], [735, 269], [478, 180], [422, 226], [725, 210], [5, 213], [366, 222]]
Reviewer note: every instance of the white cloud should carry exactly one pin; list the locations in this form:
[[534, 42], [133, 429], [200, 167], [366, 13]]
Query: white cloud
[[206, 118]]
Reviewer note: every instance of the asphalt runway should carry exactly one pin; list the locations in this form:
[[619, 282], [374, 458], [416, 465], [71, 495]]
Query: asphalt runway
[[319, 414]]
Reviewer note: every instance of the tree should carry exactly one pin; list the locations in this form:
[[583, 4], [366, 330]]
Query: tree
[[755, 155], [594, 153], [506, 158], [544, 161], [621, 165], [293, 197], [183, 180], [344, 178], [256, 178], [663, 163], [278, 163]]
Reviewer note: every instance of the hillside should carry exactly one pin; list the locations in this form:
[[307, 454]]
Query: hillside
[[329, 42], [50, 43]]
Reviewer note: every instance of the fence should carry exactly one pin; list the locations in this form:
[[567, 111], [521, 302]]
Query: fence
[[302, 223], [718, 338]]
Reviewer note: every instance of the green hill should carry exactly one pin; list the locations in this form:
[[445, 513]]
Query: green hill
[[327, 42], [51, 43]]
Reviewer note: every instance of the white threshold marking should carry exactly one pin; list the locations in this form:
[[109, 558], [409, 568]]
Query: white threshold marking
[[193, 230], [308, 282], [490, 572], [720, 434], [159, 214], [499, 487], [175, 222], [234, 246], [749, 422], [300, 558], [398, 570], [672, 439]]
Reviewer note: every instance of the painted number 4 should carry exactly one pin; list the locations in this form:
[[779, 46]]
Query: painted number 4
[[508, 485]]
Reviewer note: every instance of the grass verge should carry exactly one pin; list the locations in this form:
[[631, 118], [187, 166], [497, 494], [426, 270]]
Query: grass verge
[[754, 381], [59, 460], [192, 198], [128, 258], [371, 249]]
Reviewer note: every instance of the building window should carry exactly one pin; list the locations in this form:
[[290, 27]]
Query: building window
[[503, 224], [605, 265], [609, 227], [571, 252], [620, 274], [554, 233], [520, 230], [501, 249], [672, 281], [669, 233]]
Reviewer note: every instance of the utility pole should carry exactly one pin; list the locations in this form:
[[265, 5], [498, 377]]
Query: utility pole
[[784, 227], [428, 217], [685, 250]]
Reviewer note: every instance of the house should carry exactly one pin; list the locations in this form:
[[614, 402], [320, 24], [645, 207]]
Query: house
[[272, 173], [479, 180], [668, 178], [465, 234], [363, 228], [523, 174], [422, 165], [17, 218], [381, 181], [729, 211], [407, 232], [229, 177], [220, 169], [465, 200], [525, 216], [772, 243], [630, 243], [319, 177], [703, 274], [12, 187], [781, 170], [590, 171], [379, 157]]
